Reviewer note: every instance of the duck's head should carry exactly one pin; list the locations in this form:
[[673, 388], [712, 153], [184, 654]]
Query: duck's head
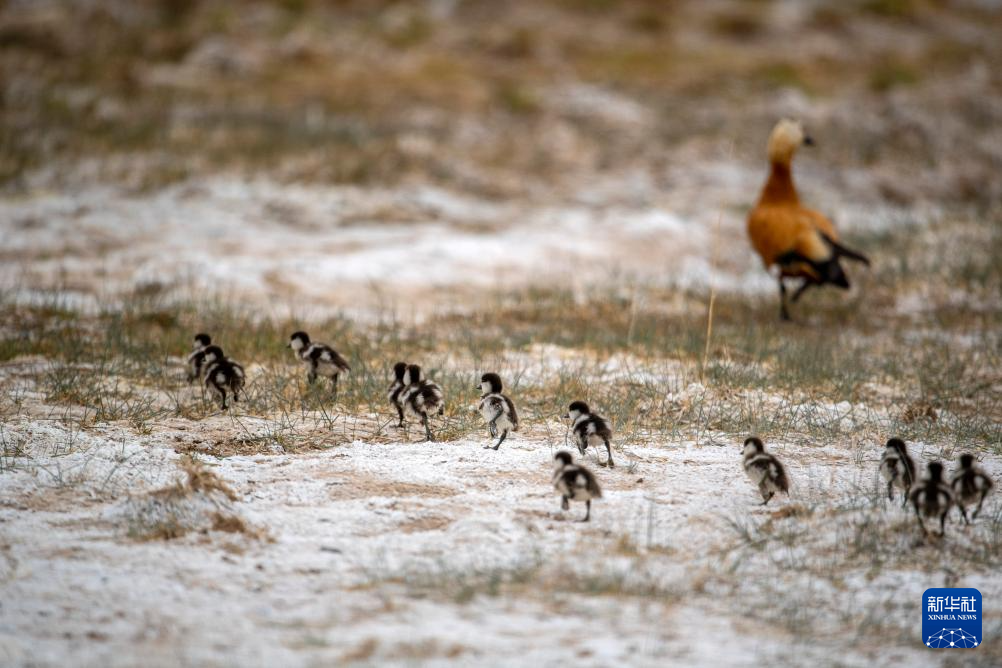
[[786, 138]]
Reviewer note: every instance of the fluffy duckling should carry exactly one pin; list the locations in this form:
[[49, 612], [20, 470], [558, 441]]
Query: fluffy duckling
[[764, 470], [898, 469], [196, 360], [589, 429], [931, 497], [222, 374], [800, 241], [320, 359], [421, 398], [497, 408], [574, 482], [970, 483], [395, 393]]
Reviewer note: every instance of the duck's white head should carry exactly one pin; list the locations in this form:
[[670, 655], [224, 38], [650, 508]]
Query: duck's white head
[[786, 138]]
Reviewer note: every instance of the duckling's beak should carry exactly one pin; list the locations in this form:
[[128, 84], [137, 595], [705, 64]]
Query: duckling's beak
[[808, 140], [567, 416], [476, 387]]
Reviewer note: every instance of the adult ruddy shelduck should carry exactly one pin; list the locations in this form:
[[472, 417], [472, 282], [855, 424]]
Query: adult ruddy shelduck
[[800, 241]]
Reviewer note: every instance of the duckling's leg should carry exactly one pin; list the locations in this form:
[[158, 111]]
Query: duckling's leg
[[942, 522], [766, 495], [565, 503], [504, 435], [977, 510], [334, 386], [311, 376], [904, 497], [608, 449], [784, 313], [427, 429], [890, 489], [587, 511], [963, 513], [400, 414], [222, 398], [921, 523]]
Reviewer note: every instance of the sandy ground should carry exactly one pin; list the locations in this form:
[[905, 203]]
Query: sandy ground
[[409, 553]]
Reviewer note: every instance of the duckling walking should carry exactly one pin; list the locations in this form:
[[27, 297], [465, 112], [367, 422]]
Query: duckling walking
[[764, 470], [222, 374], [932, 497], [589, 429], [574, 482], [898, 469], [970, 483], [196, 360], [395, 393], [320, 359], [497, 409], [800, 241], [422, 398]]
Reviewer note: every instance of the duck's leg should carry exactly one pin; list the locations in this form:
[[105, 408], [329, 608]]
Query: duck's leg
[[963, 513], [587, 511], [427, 428], [311, 376], [565, 504], [806, 284], [890, 489], [784, 312], [334, 387], [942, 522], [400, 414], [608, 449]]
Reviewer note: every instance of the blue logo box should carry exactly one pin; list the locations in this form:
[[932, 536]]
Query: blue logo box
[[951, 618]]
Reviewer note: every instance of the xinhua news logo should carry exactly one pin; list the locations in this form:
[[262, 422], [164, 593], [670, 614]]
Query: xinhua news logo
[[951, 618]]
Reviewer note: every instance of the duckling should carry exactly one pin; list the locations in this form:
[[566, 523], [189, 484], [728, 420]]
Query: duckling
[[421, 398], [497, 408], [800, 241], [222, 374], [395, 393], [319, 358], [898, 468], [764, 470], [196, 360], [589, 429], [931, 497], [574, 482], [970, 483]]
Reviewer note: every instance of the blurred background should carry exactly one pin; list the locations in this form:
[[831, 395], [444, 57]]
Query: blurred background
[[343, 150]]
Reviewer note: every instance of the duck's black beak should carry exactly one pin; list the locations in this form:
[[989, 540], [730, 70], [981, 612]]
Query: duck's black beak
[[808, 140], [567, 416]]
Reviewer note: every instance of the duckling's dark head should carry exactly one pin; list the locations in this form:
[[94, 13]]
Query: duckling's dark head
[[897, 444], [490, 383], [753, 445], [213, 353], [299, 340], [577, 409], [966, 460], [202, 340], [413, 374], [935, 471], [399, 369], [563, 458]]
